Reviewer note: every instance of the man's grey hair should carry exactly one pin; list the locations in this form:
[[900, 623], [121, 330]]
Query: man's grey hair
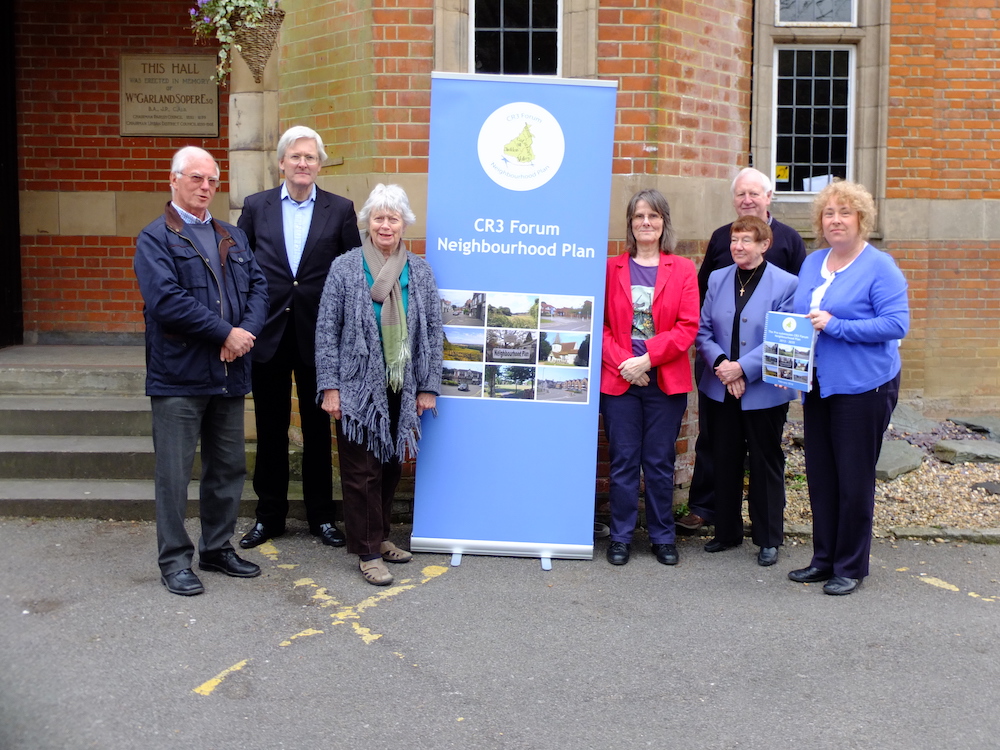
[[387, 198], [185, 155], [293, 134], [763, 179]]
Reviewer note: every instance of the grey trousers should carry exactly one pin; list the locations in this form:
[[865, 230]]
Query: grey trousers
[[178, 422]]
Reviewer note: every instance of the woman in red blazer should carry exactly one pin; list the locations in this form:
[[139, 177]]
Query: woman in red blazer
[[650, 323]]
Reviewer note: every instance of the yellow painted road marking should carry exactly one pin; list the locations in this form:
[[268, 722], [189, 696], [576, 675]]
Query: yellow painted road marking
[[341, 617], [268, 550], [206, 688], [303, 634], [938, 582]]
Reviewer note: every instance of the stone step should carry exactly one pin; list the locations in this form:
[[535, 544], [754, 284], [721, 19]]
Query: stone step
[[75, 415], [73, 370], [134, 500], [86, 457]]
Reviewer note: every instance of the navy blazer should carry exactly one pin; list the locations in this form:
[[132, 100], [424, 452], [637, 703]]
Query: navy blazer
[[775, 291], [295, 300]]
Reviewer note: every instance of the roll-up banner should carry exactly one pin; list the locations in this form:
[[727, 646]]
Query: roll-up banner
[[517, 233]]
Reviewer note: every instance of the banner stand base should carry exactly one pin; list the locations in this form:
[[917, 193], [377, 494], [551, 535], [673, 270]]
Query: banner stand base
[[458, 547]]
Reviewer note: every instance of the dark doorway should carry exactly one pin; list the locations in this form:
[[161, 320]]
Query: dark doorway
[[11, 310]]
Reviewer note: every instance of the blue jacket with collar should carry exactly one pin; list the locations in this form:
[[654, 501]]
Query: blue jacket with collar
[[185, 329], [859, 349]]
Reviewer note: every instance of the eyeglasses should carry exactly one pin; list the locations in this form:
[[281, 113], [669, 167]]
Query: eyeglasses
[[299, 158], [643, 217], [745, 241], [198, 179]]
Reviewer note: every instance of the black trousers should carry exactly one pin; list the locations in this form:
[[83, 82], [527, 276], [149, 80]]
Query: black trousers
[[272, 392], [737, 434], [843, 440], [369, 486]]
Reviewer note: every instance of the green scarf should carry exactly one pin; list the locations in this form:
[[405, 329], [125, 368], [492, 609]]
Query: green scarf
[[387, 291]]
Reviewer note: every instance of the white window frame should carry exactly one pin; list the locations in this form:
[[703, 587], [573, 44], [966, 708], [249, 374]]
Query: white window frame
[[851, 113], [559, 38]]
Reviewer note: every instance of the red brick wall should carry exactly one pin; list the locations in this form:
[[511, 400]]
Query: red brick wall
[[944, 136], [684, 84], [403, 51], [68, 117]]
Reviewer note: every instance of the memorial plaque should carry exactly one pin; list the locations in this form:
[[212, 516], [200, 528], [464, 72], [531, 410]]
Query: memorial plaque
[[169, 95]]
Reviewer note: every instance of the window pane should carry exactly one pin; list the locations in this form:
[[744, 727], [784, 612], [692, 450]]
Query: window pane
[[841, 64], [515, 14], [786, 58], [822, 92], [516, 53], [821, 121], [803, 93], [488, 52], [815, 11], [487, 14], [840, 93], [784, 149], [543, 14], [824, 59], [543, 51], [804, 63]]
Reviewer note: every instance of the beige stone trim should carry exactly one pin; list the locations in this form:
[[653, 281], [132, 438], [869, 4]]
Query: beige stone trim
[[92, 213]]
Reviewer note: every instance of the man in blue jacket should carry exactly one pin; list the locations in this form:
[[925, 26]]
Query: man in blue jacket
[[205, 302]]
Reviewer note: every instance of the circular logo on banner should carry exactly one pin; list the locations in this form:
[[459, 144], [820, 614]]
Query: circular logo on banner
[[521, 146], [788, 324]]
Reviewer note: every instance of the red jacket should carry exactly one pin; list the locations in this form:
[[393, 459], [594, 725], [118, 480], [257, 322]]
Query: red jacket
[[675, 319]]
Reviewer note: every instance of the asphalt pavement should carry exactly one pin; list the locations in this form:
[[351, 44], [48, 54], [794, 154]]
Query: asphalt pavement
[[495, 653]]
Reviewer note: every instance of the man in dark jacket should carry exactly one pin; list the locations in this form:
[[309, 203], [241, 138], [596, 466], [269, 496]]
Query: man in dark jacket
[[295, 231], [205, 302]]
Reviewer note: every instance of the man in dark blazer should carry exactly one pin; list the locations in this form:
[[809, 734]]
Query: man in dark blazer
[[295, 230]]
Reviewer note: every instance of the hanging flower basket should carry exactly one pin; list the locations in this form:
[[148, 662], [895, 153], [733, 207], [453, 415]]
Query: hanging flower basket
[[256, 43], [251, 26]]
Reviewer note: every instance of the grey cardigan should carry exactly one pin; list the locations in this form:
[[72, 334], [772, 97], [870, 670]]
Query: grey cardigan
[[349, 355]]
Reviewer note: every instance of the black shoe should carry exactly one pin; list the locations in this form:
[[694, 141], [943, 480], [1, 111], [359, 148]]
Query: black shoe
[[810, 575], [228, 562], [840, 586], [258, 535], [716, 546], [767, 556], [330, 535], [618, 553], [182, 582], [666, 553]]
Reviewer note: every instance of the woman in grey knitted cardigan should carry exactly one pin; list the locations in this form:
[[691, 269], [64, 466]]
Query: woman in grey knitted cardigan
[[378, 368]]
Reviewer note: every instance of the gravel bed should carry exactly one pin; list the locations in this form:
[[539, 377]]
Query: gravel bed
[[935, 495]]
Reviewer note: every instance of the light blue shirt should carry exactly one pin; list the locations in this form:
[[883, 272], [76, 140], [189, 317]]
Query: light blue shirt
[[295, 219], [189, 218]]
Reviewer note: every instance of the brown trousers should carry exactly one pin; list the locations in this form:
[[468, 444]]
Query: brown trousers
[[369, 486]]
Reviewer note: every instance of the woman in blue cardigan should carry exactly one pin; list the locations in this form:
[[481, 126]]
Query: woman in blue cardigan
[[855, 297]]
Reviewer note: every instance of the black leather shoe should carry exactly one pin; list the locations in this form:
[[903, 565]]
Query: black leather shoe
[[767, 556], [810, 575], [618, 553], [840, 586], [228, 562], [182, 582], [258, 535], [716, 546], [666, 554], [330, 535]]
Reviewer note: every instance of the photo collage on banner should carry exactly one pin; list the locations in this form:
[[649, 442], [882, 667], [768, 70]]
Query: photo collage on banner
[[508, 345]]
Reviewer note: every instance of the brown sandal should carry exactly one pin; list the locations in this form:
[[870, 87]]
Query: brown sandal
[[392, 553], [375, 572]]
